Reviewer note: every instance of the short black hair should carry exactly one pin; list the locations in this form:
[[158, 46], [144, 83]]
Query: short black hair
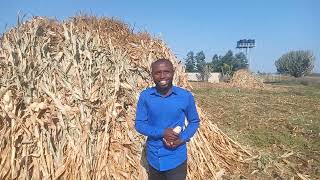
[[159, 61]]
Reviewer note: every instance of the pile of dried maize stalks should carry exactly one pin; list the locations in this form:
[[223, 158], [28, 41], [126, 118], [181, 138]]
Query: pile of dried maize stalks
[[245, 79], [68, 95]]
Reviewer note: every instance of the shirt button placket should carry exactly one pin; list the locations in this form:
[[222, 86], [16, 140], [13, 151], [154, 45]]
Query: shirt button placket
[[159, 158]]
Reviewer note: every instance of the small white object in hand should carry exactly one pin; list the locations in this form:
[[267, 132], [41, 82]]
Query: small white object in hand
[[177, 129]]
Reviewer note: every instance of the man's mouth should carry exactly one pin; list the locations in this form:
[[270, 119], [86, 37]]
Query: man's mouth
[[163, 83]]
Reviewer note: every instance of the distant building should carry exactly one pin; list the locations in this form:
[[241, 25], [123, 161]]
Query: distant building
[[214, 77]]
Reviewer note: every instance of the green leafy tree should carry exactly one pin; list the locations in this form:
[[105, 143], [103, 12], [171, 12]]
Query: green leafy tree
[[229, 61], [201, 65], [216, 63], [200, 61], [241, 61], [190, 62], [296, 63], [228, 58]]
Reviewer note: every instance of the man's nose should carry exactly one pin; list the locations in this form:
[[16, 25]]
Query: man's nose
[[162, 75]]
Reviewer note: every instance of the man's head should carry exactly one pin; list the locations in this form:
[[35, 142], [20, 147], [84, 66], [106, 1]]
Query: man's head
[[162, 73]]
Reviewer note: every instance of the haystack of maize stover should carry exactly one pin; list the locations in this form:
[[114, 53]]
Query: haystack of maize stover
[[245, 79], [68, 95]]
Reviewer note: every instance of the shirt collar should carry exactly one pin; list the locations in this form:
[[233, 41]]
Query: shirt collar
[[154, 91]]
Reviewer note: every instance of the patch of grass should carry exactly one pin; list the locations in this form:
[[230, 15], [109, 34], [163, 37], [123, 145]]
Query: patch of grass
[[261, 138], [295, 142], [264, 138]]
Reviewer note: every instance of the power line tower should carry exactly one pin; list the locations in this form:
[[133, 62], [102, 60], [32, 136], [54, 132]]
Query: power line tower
[[246, 44]]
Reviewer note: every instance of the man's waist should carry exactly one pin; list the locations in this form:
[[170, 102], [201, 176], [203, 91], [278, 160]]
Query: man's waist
[[159, 149]]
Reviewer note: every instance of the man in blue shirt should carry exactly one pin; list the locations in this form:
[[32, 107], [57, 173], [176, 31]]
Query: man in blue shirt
[[159, 110]]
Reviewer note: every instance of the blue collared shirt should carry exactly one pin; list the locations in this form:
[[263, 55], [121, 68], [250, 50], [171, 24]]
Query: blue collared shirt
[[155, 113]]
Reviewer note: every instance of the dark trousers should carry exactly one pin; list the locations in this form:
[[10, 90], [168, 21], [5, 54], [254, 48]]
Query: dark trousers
[[178, 173]]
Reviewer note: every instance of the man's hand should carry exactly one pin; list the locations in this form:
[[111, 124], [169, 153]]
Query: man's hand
[[170, 135], [176, 143], [173, 144], [171, 139], [166, 143]]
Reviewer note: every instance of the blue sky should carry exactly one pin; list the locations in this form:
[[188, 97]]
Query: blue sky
[[212, 26]]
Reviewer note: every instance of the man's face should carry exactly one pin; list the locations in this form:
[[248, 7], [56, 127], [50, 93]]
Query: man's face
[[162, 74]]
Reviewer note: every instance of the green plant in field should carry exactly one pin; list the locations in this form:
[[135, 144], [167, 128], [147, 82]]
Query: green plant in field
[[296, 63], [190, 62]]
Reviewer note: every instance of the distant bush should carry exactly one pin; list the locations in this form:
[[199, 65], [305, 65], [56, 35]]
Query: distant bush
[[296, 63]]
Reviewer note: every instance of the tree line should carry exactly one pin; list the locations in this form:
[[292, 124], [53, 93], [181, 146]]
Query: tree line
[[295, 63], [226, 64]]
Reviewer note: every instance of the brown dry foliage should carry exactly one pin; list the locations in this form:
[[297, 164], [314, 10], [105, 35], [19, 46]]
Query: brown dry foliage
[[244, 79]]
